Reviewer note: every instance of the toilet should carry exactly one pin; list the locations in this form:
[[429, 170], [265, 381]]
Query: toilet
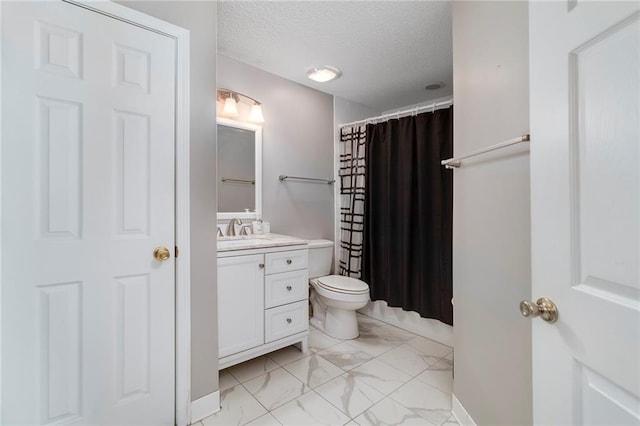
[[334, 298]]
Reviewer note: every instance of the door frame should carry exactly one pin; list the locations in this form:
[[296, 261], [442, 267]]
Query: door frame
[[182, 341]]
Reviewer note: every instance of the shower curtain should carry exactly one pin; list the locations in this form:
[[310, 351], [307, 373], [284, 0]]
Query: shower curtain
[[351, 173], [408, 208]]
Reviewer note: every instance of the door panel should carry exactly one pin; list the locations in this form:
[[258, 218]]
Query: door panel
[[60, 351], [585, 158], [132, 337], [60, 173], [132, 174], [602, 402], [87, 194]]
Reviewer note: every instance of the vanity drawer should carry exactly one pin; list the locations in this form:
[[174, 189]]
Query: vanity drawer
[[285, 261], [285, 320], [286, 287]]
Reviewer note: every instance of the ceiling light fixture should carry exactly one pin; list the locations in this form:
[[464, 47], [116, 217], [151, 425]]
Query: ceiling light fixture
[[230, 108], [324, 73]]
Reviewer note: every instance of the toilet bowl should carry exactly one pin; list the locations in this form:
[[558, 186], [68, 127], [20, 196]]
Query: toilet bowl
[[334, 298]]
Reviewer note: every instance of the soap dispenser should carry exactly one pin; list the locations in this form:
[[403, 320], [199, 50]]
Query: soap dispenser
[[257, 226]]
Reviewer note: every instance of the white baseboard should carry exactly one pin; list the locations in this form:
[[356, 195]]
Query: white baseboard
[[459, 412], [410, 321], [205, 406]]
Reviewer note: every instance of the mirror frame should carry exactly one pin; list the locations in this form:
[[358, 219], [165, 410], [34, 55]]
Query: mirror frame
[[258, 169]]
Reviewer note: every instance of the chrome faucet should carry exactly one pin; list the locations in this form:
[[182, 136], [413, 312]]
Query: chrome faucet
[[220, 234], [231, 229], [243, 229]]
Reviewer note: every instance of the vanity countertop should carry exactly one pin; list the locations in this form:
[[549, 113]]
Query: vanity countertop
[[249, 242]]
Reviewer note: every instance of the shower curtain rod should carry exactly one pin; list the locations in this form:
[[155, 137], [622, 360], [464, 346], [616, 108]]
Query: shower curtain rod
[[434, 106]]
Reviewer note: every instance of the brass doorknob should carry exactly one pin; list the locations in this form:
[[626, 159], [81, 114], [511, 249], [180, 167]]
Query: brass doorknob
[[544, 308], [161, 253]]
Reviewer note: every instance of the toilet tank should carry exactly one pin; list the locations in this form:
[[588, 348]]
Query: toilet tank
[[320, 256]]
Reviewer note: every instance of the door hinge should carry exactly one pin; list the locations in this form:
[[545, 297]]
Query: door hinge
[[176, 251]]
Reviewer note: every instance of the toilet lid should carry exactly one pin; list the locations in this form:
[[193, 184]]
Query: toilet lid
[[343, 284]]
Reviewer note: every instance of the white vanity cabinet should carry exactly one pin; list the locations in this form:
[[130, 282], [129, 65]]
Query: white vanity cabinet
[[262, 302], [240, 303]]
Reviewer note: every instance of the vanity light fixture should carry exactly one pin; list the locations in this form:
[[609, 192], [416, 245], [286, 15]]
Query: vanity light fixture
[[230, 108], [324, 73]]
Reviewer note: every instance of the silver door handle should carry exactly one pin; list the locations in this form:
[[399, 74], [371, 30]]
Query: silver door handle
[[544, 308]]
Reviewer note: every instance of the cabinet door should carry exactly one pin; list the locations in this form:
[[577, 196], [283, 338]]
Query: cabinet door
[[240, 303]]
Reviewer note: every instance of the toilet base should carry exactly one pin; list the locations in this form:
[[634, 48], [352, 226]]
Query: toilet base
[[335, 313], [341, 323], [338, 323]]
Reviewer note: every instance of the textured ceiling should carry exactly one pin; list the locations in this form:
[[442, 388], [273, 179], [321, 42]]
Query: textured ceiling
[[387, 50]]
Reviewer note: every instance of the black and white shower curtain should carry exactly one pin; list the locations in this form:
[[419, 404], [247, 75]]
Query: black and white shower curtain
[[352, 181], [396, 211]]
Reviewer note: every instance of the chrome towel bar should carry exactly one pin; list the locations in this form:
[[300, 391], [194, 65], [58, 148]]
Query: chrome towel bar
[[232, 180], [282, 178], [455, 162]]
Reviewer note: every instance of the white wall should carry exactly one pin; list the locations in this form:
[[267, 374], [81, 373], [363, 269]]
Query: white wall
[[491, 242], [199, 17], [420, 104], [346, 111], [297, 140]]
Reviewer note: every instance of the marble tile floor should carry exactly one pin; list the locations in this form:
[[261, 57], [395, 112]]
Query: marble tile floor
[[387, 376]]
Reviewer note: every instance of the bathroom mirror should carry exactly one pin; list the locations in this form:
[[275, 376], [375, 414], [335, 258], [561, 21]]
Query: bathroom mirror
[[239, 178]]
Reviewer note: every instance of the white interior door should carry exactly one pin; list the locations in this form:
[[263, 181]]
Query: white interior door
[[87, 194], [585, 156]]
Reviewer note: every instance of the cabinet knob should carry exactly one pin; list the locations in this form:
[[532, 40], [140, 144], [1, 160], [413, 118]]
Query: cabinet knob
[[288, 288], [261, 265], [289, 320], [289, 261]]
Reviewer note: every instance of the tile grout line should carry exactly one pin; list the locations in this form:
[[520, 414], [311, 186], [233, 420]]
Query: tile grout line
[[258, 401]]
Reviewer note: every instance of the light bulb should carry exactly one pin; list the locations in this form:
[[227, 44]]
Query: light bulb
[[230, 107], [256, 113]]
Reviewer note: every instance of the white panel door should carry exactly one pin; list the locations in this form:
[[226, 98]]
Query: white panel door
[[87, 194], [240, 303], [585, 157]]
